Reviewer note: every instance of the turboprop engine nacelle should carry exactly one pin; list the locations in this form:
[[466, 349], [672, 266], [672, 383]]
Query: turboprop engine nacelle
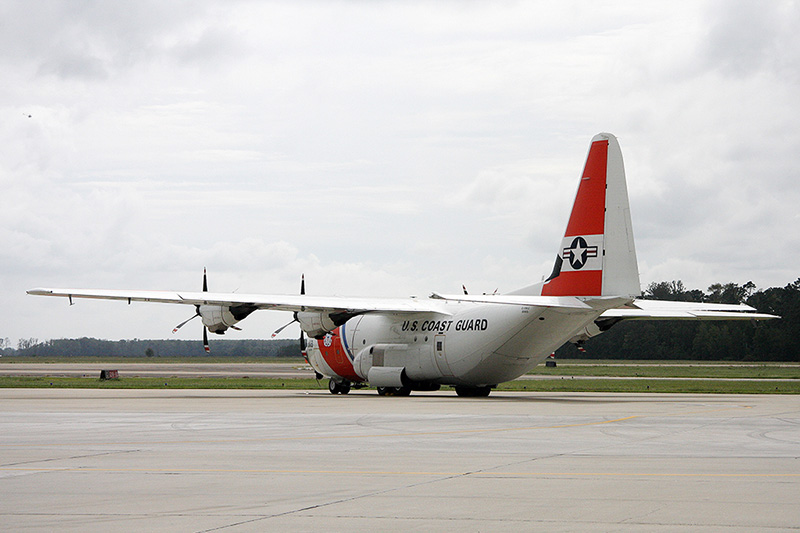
[[218, 318], [586, 333], [318, 324]]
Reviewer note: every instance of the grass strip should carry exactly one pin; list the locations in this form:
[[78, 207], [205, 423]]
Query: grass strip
[[45, 382], [682, 371], [676, 386]]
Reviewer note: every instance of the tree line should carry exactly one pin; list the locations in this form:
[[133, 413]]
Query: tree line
[[88, 347], [771, 340]]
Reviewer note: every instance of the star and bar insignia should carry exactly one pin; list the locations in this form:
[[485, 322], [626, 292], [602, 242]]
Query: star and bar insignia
[[578, 252]]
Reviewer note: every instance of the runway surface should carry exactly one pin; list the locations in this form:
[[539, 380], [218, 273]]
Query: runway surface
[[204, 460]]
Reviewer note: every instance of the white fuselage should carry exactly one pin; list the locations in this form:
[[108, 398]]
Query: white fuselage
[[465, 344]]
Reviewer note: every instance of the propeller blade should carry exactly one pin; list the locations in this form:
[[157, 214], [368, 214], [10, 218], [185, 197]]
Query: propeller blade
[[205, 330], [179, 326], [303, 350], [283, 327]]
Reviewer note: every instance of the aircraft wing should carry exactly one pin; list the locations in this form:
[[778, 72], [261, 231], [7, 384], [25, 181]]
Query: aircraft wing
[[302, 303], [667, 310], [257, 301], [636, 309]]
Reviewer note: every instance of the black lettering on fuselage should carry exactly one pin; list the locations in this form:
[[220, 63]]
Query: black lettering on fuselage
[[444, 326], [409, 325], [472, 324], [439, 326]]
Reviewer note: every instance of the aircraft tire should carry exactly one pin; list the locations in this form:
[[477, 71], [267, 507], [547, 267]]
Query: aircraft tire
[[473, 392], [483, 392], [394, 391], [338, 388]]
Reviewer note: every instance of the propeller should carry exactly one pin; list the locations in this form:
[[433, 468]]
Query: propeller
[[302, 333], [303, 351], [464, 288], [197, 314]]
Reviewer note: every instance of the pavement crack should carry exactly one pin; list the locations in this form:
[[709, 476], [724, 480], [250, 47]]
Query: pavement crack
[[345, 500], [68, 458]]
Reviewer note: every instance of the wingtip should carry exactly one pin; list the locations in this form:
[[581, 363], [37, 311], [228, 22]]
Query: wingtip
[[39, 292]]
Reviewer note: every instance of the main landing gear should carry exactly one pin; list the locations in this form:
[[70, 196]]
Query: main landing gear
[[473, 392], [335, 387], [344, 386], [394, 391]]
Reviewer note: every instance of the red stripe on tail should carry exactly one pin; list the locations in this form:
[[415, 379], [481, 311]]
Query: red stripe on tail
[[588, 211], [588, 283], [587, 218]]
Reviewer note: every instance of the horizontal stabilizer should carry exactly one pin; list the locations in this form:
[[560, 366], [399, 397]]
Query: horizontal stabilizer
[[667, 310]]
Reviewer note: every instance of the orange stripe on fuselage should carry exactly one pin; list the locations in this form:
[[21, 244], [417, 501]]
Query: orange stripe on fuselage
[[336, 356]]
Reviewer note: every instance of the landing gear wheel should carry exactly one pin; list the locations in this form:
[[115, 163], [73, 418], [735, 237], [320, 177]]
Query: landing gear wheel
[[483, 392], [473, 392], [338, 388], [394, 391]]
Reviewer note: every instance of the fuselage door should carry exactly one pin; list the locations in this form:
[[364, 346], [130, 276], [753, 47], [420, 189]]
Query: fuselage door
[[440, 356]]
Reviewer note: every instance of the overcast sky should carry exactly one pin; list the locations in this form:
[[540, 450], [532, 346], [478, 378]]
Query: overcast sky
[[382, 148]]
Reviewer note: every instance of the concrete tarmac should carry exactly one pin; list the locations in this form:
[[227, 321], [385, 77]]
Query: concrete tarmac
[[205, 460]]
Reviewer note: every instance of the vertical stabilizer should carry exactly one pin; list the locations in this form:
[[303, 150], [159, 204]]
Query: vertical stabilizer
[[597, 256], [620, 267]]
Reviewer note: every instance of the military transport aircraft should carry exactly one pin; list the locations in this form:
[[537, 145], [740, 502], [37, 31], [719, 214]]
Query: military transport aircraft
[[472, 342]]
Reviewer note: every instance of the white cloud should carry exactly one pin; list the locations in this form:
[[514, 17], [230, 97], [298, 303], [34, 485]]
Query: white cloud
[[381, 148]]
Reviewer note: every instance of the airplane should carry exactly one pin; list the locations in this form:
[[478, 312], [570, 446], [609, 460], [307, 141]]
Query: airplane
[[469, 342]]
